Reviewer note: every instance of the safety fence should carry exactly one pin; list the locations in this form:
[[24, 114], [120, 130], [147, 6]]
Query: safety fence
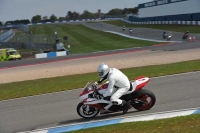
[[64, 21], [6, 36], [33, 38], [32, 46], [30, 41], [61, 21]]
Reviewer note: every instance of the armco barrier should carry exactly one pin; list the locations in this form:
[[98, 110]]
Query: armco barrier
[[65, 21], [52, 54], [145, 117], [165, 22], [132, 22]]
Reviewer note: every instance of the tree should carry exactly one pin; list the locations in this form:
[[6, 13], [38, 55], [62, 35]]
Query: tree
[[130, 10], [134, 10], [97, 15], [61, 18], [87, 14], [25, 21], [75, 15], [36, 18], [16, 22], [1, 23], [45, 18], [72, 15], [69, 15], [53, 17], [115, 11]]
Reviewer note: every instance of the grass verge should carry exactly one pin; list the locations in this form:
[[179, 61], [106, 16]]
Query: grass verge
[[41, 86], [171, 27], [184, 124], [86, 40]]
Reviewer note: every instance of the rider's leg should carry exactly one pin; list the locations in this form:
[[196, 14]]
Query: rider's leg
[[115, 98], [111, 91]]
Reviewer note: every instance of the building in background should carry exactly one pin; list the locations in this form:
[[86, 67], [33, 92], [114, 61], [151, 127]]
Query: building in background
[[168, 10]]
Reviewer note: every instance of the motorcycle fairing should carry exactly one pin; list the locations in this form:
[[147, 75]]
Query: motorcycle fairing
[[90, 101], [140, 83], [95, 103], [137, 84]]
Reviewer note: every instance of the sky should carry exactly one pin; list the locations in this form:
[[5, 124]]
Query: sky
[[26, 9]]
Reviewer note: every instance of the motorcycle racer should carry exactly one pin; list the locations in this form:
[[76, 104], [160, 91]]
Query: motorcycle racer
[[118, 85]]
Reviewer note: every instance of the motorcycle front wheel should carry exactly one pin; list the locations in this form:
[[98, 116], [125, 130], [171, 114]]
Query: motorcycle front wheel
[[86, 111], [146, 99]]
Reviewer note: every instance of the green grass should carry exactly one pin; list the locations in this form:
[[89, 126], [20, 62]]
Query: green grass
[[86, 40], [172, 27], [184, 124], [41, 86]]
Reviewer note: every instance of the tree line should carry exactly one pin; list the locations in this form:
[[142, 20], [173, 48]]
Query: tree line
[[72, 15]]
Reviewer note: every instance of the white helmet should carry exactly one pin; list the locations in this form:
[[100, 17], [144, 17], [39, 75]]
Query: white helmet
[[103, 70]]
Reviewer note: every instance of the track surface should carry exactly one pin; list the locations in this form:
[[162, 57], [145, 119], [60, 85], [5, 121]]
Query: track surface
[[172, 92], [138, 32]]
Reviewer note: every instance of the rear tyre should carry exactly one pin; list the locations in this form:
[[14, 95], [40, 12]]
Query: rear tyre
[[82, 111], [147, 97]]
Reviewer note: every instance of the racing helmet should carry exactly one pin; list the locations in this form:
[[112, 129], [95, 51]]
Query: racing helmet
[[103, 70]]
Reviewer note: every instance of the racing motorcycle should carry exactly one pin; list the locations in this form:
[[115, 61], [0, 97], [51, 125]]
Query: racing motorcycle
[[169, 36], [90, 106], [123, 28], [185, 36], [130, 31], [164, 35]]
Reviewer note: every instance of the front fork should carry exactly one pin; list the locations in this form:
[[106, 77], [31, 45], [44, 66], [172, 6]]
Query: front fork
[[86, 108]]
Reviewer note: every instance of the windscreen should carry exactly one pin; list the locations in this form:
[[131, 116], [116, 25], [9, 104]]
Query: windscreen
[[13, 53]]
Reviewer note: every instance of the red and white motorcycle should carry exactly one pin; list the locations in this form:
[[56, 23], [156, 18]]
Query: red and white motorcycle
[[140, 99]]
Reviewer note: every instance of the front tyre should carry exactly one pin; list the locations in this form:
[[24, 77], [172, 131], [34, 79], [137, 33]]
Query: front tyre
[[147, 98], [86, 111]]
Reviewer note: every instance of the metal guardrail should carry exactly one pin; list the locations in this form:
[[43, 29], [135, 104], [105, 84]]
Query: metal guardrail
[[5, 36]]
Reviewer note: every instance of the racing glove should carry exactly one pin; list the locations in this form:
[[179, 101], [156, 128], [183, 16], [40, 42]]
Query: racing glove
[[95, 85], [98, 96]]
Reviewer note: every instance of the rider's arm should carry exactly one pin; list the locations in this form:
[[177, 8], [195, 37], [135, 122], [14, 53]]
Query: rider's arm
[[101, 80], [110, 87]]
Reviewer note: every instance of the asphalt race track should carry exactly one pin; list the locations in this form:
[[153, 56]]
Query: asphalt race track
[[165, 47], [173, 92], [138, 32]]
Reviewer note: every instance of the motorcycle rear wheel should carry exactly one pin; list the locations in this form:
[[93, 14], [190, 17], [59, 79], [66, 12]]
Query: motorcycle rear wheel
[[145, 96], [81, 110]]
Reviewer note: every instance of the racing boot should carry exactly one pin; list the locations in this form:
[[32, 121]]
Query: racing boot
[[126, 106]]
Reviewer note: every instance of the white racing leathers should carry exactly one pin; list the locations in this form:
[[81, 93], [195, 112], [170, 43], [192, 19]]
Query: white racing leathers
[[118, 79]]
